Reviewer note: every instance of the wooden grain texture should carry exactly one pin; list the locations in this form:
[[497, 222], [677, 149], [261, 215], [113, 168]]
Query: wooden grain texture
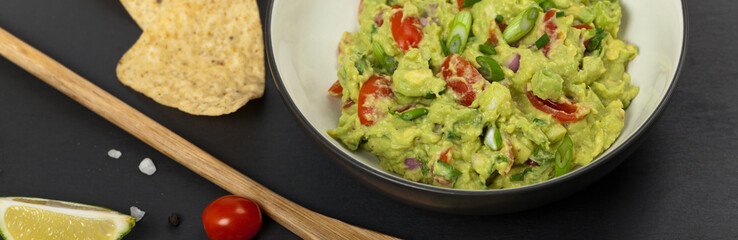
[[301, 221]]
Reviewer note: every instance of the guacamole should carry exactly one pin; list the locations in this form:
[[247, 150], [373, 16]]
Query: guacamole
[[483, 94]]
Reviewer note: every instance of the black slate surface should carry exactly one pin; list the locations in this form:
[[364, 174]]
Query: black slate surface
[[680, 184]]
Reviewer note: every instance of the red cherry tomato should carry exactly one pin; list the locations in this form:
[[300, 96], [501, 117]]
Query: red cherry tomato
[[350, 102], [492, 36], [502, 26], [460, 76], [231, 218], [446, 155], [584, 27], [564, 112], [550, 28], [377, 88], [406, 31], [336, 89]]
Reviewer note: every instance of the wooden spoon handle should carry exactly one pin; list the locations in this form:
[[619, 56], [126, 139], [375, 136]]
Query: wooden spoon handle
[[301, 221]]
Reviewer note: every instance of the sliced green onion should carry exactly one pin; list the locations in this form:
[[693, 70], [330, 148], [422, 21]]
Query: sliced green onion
[[361, 65], [499, 18], [424, 168], [564, 155], [379, 52], [560, 14], [444, 49], [547, 5], [493, 138], [390, 64], [413, 114], [595, 42], [542, 41], [452, 135], [520, 25], [520, 176], [431, 95], [469, 3], [490, 69], [459, 34], [387, 62], [487, 49], [539, 122]]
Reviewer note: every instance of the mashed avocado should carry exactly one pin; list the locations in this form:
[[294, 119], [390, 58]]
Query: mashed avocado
[[483, 95]]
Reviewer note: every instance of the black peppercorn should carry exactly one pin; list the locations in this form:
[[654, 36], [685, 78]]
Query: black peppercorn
[[174, 219]]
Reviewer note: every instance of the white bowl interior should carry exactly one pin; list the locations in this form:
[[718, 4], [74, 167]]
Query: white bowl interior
[[305, 35]]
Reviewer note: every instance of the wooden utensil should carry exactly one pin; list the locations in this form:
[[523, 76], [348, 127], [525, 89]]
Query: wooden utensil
[[301, 221]]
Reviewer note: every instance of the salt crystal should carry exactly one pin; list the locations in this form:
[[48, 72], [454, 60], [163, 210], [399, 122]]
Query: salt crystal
[[147, 167], [114, 153], [137, 213]]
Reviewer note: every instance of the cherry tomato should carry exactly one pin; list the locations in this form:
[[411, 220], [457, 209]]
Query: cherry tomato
[[336, 89], [460, 76], [502, 26], [564, 112], [406, 30], [231, 218], [550, 28], [492, 36], [446, 155], [350, 102], [583, 26], [376, 88]]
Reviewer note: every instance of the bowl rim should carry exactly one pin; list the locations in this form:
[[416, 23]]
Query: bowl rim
[[276, 77]]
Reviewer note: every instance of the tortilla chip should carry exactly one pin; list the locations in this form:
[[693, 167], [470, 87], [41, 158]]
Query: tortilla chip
[[203, 57], [144, 12]]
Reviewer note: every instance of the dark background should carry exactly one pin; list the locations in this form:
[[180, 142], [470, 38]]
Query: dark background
[[681, 183]]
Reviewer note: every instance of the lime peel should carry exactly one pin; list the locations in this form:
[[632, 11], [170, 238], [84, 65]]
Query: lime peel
[[29, 218]]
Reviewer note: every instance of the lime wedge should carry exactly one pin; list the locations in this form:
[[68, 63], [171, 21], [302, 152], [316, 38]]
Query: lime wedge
[[35, 218]]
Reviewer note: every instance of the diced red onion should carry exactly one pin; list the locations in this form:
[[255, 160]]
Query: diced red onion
[[426, 20], [430, 16], [513, 63], [531, 163], [405, 108], [442, 180], [379, 18], [412, 163]]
